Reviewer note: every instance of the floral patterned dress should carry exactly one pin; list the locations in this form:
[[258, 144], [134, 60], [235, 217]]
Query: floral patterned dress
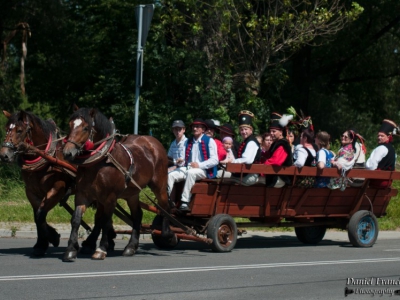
[[344, 158]]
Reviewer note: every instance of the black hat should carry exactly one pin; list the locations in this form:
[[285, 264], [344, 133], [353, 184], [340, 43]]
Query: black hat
[[388, 127], [274, 121], [279, 122], [178, 123], [227, 129], [199, 121], [246, 119], [306, 123], [210, 124]]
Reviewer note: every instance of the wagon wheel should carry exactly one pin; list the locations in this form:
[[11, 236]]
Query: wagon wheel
[[160, 241], [363, 229], [223, 232], [310, 234]]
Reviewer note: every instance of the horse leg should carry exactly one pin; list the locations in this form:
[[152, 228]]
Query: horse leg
[[136, 217], [42, 243], [73, 246], [89, 245], [106, 221], [45, 233]]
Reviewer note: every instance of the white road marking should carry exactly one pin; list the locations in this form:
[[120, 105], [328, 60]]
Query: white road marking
[[196, 269]]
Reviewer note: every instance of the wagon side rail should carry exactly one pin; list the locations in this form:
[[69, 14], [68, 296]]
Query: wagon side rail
[[311, 171]]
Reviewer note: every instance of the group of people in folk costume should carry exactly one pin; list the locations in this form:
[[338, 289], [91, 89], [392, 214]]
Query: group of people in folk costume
[[202, 154]]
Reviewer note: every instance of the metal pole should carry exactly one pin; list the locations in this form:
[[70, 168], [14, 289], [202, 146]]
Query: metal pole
[[138, 70]]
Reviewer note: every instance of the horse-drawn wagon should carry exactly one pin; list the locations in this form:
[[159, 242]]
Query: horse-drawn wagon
[[215, 203], [120, 168]]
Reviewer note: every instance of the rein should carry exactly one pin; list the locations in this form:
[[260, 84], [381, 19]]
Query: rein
[[162, 210]]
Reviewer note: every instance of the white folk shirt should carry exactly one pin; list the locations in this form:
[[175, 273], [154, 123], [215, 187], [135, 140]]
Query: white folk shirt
[[195, 156], [300, 155], [177, 150], [249, 154], [376, 156]]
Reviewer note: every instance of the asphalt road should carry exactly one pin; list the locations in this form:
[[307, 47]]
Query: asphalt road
[[262, 266]]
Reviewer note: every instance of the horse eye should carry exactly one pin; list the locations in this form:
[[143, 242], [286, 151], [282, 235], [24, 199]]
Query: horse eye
[[19, 131], [86, 128]]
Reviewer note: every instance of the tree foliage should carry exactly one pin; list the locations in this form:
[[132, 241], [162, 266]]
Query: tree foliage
[[335, 60]]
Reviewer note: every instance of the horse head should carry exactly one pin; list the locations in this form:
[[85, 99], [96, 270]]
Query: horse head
[[87, 126], [19, 132]]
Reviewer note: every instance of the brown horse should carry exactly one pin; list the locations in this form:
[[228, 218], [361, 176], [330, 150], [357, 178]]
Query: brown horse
[[114, 170], [45, 184]]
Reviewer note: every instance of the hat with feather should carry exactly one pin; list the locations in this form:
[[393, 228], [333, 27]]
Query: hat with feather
[[279, 121], [302, 121], [389, 127]]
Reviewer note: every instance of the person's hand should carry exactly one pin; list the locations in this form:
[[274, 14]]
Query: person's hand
[[179, 161], [194, 164]]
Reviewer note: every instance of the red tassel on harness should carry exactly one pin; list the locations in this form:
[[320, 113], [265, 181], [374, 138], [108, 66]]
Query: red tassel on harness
[[28, 141], [89, 145]]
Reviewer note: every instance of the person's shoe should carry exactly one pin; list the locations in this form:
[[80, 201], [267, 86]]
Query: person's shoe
[[184, 207]]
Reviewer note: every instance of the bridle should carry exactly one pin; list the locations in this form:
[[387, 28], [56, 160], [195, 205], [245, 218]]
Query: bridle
[[9, 135], [88, 144]]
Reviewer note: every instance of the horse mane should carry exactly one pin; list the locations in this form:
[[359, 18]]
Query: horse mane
[[102, 124], [48, 127]]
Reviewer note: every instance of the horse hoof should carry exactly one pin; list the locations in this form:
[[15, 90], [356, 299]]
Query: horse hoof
[[70, 256], [99, 254], [56, 241], [38, 252], [128, 252]]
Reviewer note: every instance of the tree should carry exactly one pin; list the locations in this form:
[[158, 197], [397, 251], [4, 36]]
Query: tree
[[250, 36], [353, 80]]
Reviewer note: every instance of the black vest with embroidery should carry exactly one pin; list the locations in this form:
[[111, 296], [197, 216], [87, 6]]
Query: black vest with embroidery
[[243, 145], [270, 180], [310, 158], [286, 146], [389, 161]]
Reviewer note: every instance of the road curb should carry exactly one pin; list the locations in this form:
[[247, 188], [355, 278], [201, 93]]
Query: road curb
[[28, 230]]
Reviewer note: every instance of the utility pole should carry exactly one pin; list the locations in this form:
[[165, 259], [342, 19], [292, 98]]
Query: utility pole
[[144, 14]]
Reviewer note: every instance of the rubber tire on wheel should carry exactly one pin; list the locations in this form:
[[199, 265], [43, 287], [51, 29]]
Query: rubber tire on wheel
[[310, 234], [363, 229], [160, 241], [222, 230]]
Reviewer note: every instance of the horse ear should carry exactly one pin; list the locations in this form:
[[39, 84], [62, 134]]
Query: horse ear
[[25, 117], [75, 107], [7, 114], [92, 112]]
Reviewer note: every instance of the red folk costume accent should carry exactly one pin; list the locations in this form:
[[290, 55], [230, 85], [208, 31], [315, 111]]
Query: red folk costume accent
[[278, 157], [241, 149], [203, 150]]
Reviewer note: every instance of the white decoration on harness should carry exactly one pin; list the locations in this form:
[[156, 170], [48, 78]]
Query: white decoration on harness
[[12, 126], [77, 122]]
